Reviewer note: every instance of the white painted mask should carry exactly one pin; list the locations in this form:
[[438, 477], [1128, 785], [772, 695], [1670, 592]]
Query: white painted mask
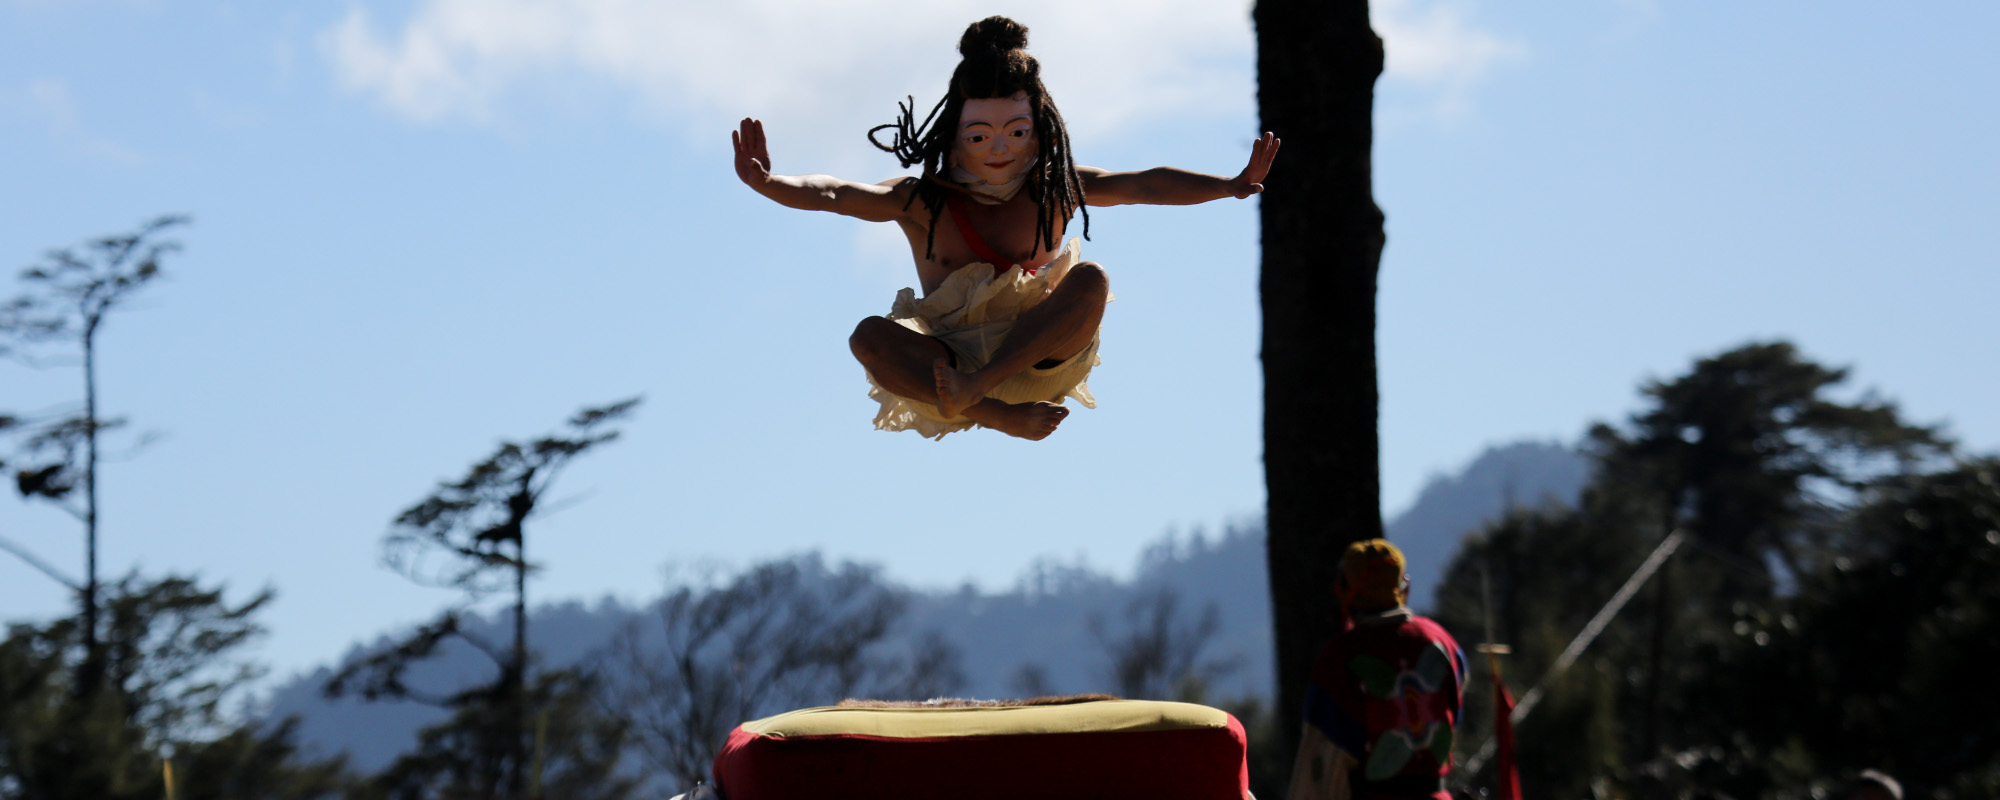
[[996, 147]]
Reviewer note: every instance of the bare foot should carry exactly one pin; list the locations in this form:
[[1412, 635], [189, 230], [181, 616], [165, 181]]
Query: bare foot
[[956, 390], [1031, 421]]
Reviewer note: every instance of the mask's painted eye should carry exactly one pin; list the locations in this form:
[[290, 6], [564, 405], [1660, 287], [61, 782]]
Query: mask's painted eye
[[1018, 133], [975, 138]]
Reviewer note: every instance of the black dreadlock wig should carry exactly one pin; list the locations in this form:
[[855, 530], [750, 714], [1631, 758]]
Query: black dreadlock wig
[[993, 63]]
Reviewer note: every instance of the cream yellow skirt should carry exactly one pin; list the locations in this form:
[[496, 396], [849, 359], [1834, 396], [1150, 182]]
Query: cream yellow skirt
[[971, 313]]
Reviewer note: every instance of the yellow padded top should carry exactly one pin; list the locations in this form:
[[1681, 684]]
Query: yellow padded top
[[1097, 716]]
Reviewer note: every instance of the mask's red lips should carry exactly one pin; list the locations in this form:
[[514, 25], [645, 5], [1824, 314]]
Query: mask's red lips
[[999, 164]]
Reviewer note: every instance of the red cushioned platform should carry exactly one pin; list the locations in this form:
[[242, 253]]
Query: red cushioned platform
[[1087, 751]]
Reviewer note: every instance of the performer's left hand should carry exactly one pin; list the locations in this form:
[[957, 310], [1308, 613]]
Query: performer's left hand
[[1251, 180]]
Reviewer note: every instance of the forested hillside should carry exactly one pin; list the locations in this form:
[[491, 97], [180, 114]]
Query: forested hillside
[[1059, 629]]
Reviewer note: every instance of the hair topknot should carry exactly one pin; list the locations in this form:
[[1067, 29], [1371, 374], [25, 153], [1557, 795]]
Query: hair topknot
[[994, 63], [992, 34]]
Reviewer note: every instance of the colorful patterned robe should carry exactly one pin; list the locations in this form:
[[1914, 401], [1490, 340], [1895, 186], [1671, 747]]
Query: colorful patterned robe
[[1387, 692]]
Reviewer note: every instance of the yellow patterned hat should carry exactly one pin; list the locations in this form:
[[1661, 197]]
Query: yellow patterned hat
[[1373, 570]]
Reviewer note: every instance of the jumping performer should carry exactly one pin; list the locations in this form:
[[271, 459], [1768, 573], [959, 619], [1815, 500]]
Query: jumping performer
[[1007, 327]]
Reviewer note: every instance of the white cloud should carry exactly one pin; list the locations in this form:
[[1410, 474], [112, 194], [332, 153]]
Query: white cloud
[[223, 113], [1637, 16], [51, 103], [1646, 9], [808, 68], [814, 69], [1434, 48]]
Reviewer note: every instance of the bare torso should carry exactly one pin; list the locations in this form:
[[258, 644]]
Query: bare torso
[[1008, 228]]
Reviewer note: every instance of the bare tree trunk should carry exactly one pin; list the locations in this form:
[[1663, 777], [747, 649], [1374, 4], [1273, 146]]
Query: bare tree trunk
[[1317, 61], [1663, 620], [517, 689], [90, 678]]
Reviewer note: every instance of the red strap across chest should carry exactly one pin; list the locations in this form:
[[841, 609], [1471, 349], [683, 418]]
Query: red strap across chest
[[956, 205]]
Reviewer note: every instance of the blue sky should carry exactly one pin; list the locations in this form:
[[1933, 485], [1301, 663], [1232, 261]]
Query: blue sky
[[422, 227]]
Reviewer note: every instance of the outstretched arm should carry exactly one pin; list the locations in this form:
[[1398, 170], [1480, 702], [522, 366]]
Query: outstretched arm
[[873, 202], [1171, 186]]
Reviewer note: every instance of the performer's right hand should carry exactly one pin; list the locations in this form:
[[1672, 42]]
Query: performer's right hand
[[753, 158]]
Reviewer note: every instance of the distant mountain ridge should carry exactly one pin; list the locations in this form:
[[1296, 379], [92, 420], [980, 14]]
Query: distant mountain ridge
[[1518, 475], [1044, 621]]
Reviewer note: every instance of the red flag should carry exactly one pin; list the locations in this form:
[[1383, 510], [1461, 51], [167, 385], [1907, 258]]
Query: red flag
[[1508, 779]]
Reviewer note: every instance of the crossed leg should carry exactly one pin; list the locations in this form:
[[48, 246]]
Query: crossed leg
[[913, 365], [900, 359], [1060, 327]]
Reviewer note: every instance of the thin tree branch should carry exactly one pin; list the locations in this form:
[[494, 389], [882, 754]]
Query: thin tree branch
[[39, 564], [483, 646], [32, 361]]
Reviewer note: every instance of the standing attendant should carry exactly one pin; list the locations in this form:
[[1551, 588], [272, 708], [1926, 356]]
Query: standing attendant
[[1384, 696]]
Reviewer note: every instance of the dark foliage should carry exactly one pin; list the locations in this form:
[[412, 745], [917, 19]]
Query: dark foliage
[[1885, 659], [470, 535], [172, 668], [1751, 455], [1158, 655], [574, 752], [1829, 612], [56, 319], [256, 762]]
